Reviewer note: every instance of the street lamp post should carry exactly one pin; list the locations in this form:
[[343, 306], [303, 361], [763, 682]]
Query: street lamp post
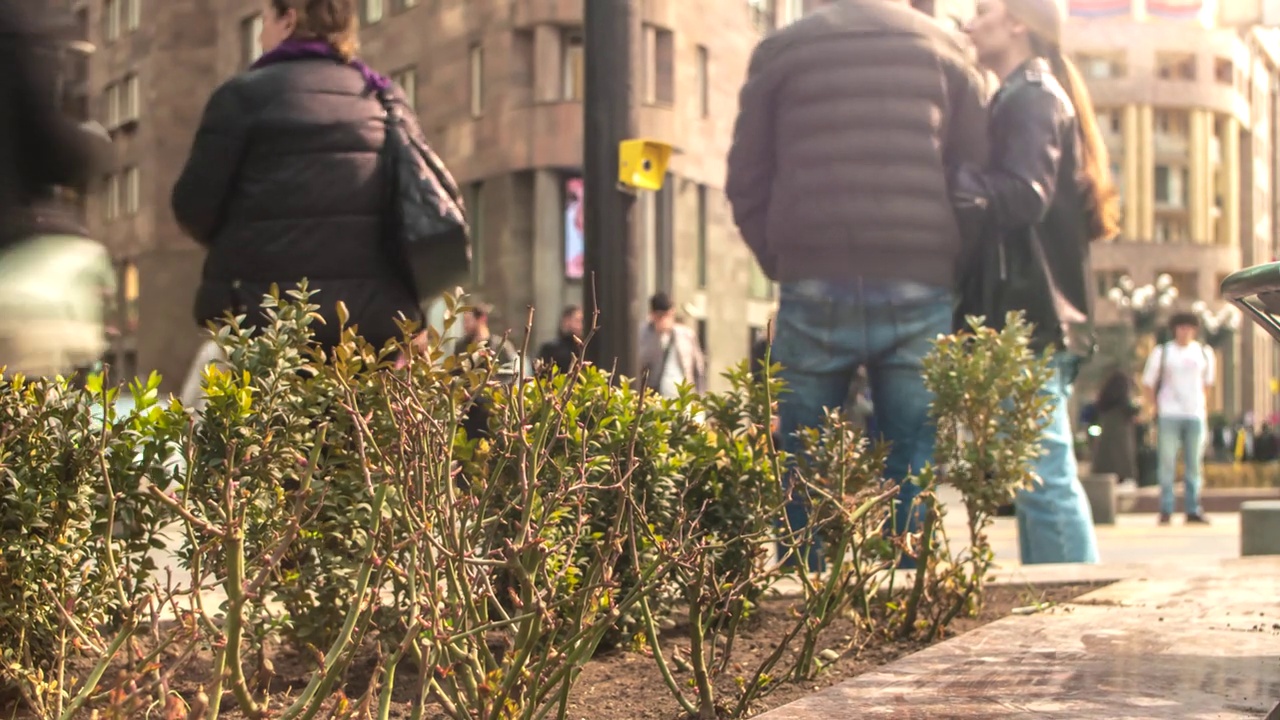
[[1143, 303], [611, 251], [1218, 326]]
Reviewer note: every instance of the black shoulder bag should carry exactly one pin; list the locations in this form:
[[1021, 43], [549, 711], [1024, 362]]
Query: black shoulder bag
[[424, 225]]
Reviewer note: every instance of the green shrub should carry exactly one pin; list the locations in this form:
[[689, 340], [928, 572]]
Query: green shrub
[[333, 502], [76, 527]]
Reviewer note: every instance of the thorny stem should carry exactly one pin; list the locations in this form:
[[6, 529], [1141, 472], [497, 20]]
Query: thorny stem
[[95, 675], [922, 570], [112, 565], [230, 660], [698, 659], [308, 703]]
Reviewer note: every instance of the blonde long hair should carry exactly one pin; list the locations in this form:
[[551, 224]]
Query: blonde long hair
[[334, 21], [1102, 199]]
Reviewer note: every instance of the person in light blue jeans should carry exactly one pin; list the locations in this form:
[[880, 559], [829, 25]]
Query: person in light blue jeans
[[1055, 520], [825, 331], [1033, 209], [1176, 379]]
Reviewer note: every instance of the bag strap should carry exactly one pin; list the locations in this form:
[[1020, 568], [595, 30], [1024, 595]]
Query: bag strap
[[656, 381], [1164, 357]]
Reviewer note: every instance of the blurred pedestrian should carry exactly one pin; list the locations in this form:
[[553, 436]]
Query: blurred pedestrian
[[479, 350], [284, 181], [1043, 197], [40, 148], [848, 125], [564, 350], [1118, 410], [670, 355], [55, 282], [1177, 379]]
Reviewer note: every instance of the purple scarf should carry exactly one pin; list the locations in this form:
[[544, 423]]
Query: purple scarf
[[301, 49]]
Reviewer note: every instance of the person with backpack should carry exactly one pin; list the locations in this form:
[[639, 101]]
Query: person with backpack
[[1176, 381], [285, 180]]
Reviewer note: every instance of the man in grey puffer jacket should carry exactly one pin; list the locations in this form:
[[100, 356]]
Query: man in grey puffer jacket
[[849, 123]]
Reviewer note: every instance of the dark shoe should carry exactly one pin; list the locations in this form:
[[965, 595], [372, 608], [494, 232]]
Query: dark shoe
[[1164, 518], [1197, 520]]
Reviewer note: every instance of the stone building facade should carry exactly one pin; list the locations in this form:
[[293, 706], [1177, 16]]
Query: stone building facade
[[498, 87], [1188, 106]]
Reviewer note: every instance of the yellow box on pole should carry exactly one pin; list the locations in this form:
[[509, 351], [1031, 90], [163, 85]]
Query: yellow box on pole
[[642, 164]]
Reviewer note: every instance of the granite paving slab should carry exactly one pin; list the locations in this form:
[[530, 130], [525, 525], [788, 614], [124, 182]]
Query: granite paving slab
[[1160, 647]]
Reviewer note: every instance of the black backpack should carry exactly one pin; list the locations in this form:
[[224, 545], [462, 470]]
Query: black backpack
[[424, 224]]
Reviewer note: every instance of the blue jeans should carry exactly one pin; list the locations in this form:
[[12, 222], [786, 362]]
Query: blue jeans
[[824, 332], [1055, 521], [1186, 433]]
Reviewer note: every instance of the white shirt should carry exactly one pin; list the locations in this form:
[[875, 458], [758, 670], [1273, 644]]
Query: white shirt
[[1187, 372], [673, 372]]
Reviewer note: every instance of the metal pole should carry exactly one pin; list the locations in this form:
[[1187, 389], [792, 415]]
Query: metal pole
[[610, 267]]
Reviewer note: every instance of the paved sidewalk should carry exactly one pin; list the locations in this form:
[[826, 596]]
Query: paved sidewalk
[[1130, 546], [1166, 644]]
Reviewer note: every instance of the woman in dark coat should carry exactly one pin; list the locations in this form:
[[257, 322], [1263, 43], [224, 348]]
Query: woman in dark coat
[[1042, 198], [284, 184], [1117, 452]]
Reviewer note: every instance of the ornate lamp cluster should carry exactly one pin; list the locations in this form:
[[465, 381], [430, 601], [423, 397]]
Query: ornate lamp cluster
[[1143, 302], [1219, 325]]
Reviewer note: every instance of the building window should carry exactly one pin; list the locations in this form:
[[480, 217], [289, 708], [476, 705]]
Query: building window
[[372, 11], [407, 79], [704, 81], [1172, 229], [1108, 279], [477, 80], [111, 106], [1110, 120], [664, 231], [702, 236], [131, 190], [572, 59], [1175, 123], [1171, 187], [1176, 66], [660, 81], [762, 16], [250, 39], [111, 203], [133, 14], [473, 199], [759, 286], [792, 10], [129, 101], [111, 18], [1117, 180], [1185, 282], [1101, 66], [1224, 71]]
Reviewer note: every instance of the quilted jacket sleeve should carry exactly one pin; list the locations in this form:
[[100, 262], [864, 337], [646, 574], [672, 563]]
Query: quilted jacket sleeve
[[200, 195]]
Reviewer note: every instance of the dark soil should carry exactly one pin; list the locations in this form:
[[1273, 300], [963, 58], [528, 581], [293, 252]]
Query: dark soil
[[628, 685]]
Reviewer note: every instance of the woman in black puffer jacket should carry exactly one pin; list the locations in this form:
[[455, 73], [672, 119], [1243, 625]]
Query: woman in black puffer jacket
[[283, 182]]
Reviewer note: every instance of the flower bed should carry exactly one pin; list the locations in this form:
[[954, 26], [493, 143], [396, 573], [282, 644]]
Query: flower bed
[[352, 524]]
